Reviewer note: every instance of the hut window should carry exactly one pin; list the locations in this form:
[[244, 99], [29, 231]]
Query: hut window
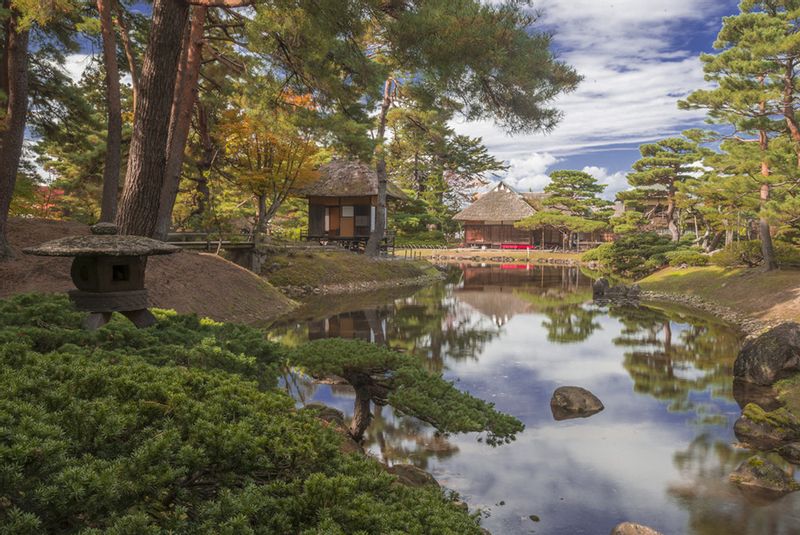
[[347, 211], [327, 219]]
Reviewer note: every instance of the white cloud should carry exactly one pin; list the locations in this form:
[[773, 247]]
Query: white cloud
[[615, 182], [75, 64], [529, 173], [634, 72]]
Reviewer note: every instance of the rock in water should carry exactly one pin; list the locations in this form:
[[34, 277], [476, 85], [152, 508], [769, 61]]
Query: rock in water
[[772, 356], [791, 452], [600, 287], [629, 528], [410, 475], [759, 474], [767, 429], [574, 402]]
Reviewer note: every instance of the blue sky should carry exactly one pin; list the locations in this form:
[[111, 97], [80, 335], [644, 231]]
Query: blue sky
[[638, 57]]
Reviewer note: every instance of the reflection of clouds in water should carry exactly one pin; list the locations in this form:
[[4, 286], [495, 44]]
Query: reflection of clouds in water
[[664, 383], [573, 476], [524, 343]]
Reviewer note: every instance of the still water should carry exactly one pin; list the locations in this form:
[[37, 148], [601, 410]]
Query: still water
[[660, 452]]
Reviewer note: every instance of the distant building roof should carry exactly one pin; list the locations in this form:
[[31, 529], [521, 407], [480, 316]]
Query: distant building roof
[[349, 178], [503, 203]]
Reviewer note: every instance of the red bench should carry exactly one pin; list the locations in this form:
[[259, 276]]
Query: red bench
[[517, 246]]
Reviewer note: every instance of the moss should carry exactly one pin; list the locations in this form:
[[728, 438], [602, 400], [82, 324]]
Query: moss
[[789, 393], [781, 419]]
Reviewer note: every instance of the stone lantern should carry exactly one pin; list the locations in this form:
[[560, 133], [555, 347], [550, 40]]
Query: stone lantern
[[108, 271]]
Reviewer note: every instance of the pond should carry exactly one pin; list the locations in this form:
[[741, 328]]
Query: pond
[[659, 454]]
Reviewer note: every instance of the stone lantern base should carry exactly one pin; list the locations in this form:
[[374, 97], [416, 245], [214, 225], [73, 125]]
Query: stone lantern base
[[132, 304]]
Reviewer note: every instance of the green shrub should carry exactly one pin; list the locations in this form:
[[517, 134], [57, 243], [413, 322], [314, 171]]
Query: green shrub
[[176, 429], [788, 254], [748, 254], [689, 257], [634, 255], [741, 253], [598, 254]]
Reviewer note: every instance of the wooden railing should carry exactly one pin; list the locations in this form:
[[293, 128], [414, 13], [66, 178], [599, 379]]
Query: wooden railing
[[351, 243], [208, 241]]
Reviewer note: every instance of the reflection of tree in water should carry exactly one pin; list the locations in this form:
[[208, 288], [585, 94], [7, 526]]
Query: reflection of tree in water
[[569, 319], [570, 324], [434, 325], [714, 505], [406, 440], [668, 366]]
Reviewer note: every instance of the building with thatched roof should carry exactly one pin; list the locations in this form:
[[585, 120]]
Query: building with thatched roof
[[342, 203], [490, 219]]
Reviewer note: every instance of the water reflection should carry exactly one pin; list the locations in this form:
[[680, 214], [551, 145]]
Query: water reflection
[[669, 358], [660, 452]]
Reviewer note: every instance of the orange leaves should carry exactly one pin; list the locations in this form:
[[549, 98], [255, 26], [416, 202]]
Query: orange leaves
[[267, 151]]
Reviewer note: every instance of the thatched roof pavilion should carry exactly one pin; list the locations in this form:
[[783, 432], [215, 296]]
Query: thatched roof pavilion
[[490, 219], [342, 204], [500, 204], [349, 178]]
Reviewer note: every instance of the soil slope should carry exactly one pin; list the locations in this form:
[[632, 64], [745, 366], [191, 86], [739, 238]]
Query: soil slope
[[188, 282]]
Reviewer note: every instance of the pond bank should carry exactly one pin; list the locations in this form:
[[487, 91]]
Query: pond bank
[[302, 273], [751, 299]]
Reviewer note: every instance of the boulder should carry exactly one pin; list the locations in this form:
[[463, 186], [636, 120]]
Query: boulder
[[600, 288], [766, 430], [603, 291], [629, 528], [760, 475], [410, 475], [790, 452], [765, 397], [770, 357], [574, 402]]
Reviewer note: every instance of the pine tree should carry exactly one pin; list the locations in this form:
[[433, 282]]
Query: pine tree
[[755, 77], [572, 205], [667, 163]]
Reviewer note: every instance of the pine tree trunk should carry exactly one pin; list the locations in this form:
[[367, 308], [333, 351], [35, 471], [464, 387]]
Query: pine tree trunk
[[138, 209], [361, 413], [183, 104], [113, 159], [673, 227], [124, 36], [767, 251], [15, 87], [373, 248], [789, 114]]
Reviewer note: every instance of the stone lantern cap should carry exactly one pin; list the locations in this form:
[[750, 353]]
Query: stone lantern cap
[[102, 242]]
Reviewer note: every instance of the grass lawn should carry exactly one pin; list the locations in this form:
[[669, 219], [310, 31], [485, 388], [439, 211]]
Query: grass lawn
[[332, 268], [768, 296]]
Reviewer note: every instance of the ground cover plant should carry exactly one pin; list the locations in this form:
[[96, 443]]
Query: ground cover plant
[[179, 428]]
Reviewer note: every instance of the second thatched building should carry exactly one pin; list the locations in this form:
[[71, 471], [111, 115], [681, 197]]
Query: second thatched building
[[490, 220]]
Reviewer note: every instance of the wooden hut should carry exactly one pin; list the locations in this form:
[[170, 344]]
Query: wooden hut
[[490, 220], [342, 204]]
